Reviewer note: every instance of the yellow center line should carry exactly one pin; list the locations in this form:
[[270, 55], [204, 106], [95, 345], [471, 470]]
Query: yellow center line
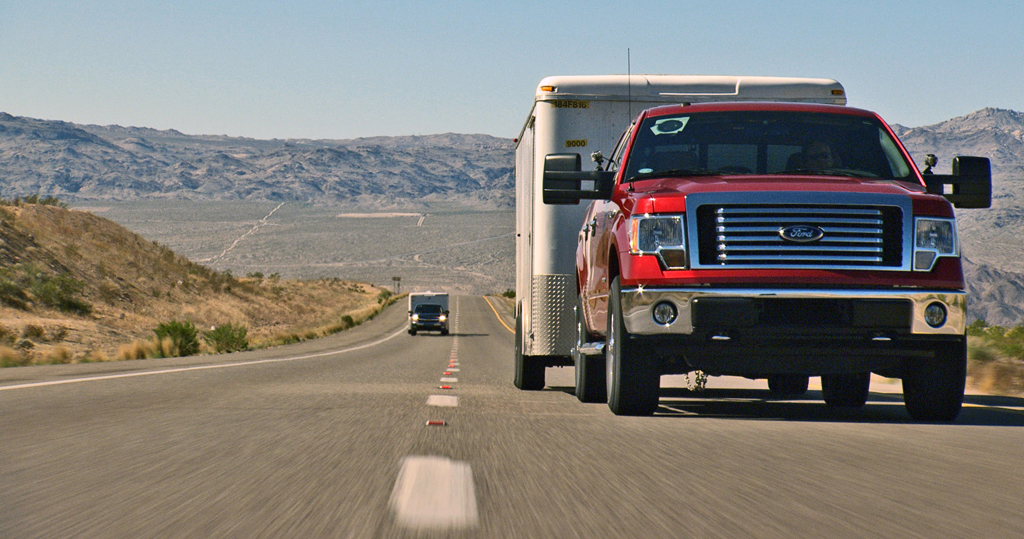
[[510, 330], [1011, 409]]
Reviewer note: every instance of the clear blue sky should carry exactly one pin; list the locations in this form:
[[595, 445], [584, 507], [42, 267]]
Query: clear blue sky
[[354, 68]]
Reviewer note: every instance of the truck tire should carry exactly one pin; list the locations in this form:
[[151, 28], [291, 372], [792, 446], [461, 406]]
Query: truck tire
[[934, 390], [412, 332], [529, 375], [590, 372], [787, 384], [845, 390], [632, 379], [444, 331]]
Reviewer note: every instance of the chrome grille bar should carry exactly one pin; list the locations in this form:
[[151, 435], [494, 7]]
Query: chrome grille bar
[[749, 234]]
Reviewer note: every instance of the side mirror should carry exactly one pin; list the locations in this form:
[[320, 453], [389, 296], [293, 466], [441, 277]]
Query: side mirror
[[565, 183], [969, 186]]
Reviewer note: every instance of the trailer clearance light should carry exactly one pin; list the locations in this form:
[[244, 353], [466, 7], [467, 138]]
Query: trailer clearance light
[[934, 238], [935, 314]]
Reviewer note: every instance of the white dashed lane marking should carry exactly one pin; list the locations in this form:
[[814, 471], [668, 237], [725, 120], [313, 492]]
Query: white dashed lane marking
[[434, 493], [442, 400]]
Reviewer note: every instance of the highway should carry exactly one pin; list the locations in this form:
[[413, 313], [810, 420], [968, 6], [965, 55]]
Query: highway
[[353, 436]]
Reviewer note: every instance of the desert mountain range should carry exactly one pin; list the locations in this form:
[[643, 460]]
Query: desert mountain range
[[80, 163]]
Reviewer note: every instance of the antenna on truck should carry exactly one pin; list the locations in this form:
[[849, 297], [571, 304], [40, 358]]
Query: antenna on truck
[[629, 87]]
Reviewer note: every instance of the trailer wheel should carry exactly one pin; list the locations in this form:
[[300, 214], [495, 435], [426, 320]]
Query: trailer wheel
[[632, 377], [787, 384], [590, 372], [529, 375], [933, 390], [845, 390]]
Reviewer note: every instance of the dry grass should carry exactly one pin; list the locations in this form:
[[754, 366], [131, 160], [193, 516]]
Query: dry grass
[[992, 371], [132, 285]]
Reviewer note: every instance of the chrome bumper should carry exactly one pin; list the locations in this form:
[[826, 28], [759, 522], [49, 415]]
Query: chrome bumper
[[637, 304]]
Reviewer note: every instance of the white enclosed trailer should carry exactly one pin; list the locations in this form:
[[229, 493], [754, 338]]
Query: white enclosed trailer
[[585, 114]]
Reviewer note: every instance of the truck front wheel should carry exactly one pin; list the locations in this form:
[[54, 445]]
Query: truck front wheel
[[632, 377], [933, 390], [529, 375]]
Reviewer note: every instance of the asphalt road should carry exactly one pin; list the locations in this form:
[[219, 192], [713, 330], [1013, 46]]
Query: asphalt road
[[331, 438]]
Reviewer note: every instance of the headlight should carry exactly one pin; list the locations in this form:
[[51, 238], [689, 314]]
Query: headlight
[[415, 318], [934, 238], [664, 236], [443, 318]]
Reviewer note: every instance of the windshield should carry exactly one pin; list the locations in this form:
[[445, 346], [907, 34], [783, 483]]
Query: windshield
[[765, 142], [428, 309]]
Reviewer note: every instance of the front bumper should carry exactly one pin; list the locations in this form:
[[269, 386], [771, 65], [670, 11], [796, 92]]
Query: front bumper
[[882, 314], [428, 324]]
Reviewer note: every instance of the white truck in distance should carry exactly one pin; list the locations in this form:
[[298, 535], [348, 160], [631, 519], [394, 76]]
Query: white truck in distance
[[586, 114], [428, 311]]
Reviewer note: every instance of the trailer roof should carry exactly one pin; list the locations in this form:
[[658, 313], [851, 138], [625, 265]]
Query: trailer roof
[[683, 88]]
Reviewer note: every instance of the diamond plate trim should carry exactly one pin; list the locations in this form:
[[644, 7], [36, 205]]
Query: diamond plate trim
[[553, 319]]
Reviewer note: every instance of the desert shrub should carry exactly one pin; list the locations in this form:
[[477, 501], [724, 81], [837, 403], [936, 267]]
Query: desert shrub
[[11, 293], [94, 356], [57, 291], [59, 334], [981, 354], [287, 338], [227, 338], [135, 350], [348, 321], [183, 335], [7, 337], [164, 347], [59, 355], [509, 293], [42, 200], [109, 292], [9, 357], [383, 297], [33, 331]]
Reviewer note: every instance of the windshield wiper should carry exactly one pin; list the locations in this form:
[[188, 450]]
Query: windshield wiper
[[676, 172], [828, 172]]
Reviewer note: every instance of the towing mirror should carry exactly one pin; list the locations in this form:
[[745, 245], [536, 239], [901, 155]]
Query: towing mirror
[[969, 186], [565, 183]]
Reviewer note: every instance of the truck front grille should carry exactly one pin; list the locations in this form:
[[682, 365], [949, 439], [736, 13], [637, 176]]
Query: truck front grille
[[751, 235]]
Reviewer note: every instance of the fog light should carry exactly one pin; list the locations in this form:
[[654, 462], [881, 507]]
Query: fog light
[[935, 314], [664, 313]]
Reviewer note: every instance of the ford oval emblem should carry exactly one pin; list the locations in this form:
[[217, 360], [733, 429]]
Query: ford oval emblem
[[801, 233]]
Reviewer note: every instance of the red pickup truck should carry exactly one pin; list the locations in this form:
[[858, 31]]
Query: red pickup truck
[[768, 240]]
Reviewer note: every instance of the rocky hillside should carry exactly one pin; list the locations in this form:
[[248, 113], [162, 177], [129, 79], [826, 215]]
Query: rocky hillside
[[78, 163], [992, 245], [94, 163], [75, 286]]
